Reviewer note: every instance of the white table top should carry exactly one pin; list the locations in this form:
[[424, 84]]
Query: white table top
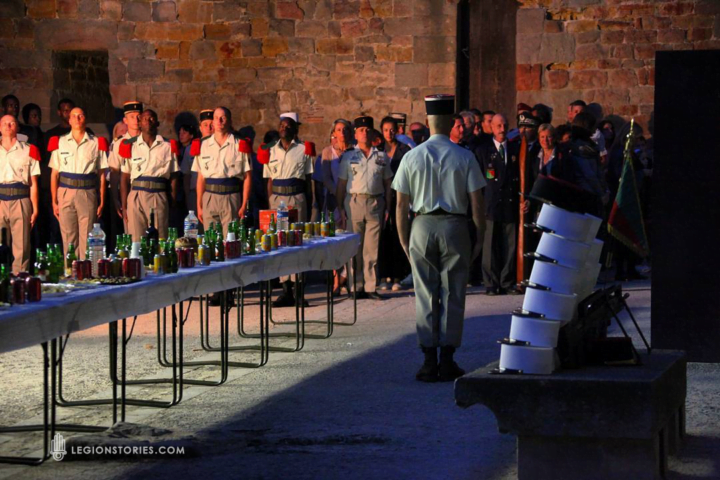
[[30, 324]]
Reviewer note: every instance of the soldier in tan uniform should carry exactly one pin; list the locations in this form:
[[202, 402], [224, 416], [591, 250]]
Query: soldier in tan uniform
[[131, 119], [149, 167], [288, 166], [190, 177], [222, 162], [78, 161], [365, 175], [19, 191]]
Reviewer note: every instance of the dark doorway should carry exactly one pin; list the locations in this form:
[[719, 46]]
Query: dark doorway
[[486, 55], [684, 231], [83, 77]]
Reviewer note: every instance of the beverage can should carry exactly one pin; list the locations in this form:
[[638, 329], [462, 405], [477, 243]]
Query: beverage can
[[324, 229], [266, 243], [274, 241]]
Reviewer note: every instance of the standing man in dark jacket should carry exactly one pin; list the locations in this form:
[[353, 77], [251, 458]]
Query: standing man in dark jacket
[[499, 164]]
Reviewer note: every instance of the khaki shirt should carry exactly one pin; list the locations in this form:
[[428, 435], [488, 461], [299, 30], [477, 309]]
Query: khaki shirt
[[365, 175], [84, 157], [290, 163], [221, 161], [16, 164], [115, 161], [156, 160], [439, 174]]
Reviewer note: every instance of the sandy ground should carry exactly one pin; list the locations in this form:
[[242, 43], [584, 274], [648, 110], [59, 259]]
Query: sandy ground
[[344, 407]]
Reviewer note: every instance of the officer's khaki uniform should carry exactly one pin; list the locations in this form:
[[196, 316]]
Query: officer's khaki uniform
[[438, 176], [150, 168], [223, 167], [79, 165], [288, 170], [115, 162], [186, 169], [16, 168], [366, 188]]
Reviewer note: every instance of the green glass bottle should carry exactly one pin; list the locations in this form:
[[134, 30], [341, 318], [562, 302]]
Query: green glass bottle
[[42, 267], [5, 290], [143, 250], [69, 259], [273, 226], [242, 236], [219, 249], [331, 225]]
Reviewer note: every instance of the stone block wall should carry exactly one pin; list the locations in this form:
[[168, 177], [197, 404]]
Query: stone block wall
[[323, 58], [603, 51], [83, 76]]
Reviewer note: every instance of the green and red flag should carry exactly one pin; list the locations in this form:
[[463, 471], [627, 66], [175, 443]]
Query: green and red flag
[[626, 219]]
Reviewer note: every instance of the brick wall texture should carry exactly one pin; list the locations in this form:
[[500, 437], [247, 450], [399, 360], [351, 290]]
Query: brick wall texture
[[323, 58], [604, 51], [339, 58]]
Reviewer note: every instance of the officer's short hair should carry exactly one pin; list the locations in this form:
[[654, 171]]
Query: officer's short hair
[[7, 98], [389, 119], [578, 103], [489, 112], [27, 109], [64, 101]]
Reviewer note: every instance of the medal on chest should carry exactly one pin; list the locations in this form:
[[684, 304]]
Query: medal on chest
[[490, 174]]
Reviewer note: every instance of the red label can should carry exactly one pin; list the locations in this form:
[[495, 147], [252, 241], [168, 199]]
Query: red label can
[[77, 270], [282, 238], [33, 286], [87, 268], [103, 268]]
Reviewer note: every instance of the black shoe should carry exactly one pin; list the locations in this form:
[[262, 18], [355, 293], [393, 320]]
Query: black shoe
[[375, 296], [502, 291], [284, 300], [514, 291], [476, 283], [429, 371], [215, 300], [448, 370], [361, 295], [491, 291]]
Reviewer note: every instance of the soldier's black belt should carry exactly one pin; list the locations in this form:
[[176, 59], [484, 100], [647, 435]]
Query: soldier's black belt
[[287, 191], [222, 186], [288, 186], [14, 191], [82, 181], [440, 211], [151, 184]]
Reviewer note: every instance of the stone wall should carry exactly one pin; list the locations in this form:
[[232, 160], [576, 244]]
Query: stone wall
[[604, 51], [323, 58], [83, 76]]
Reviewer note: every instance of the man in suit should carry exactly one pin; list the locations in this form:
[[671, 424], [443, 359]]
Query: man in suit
[[499, 163]]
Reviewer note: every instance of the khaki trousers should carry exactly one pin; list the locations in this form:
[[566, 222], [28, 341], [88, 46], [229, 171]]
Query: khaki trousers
[[15, 218], [220, 208], [78, 212], [139, 204], [366, 218], [439, 257], [291, 201], [298, 202]]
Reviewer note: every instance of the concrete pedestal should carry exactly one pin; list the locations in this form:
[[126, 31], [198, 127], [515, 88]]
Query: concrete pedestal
[[590, 423]]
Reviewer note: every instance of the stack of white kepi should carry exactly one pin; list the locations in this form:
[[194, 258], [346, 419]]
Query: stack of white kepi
[[565, 271]]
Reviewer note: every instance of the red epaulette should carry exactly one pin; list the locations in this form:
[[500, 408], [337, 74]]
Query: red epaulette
[[195, 148], [263, 155], [34, 152], [102, 144], [125, 149], [53, 144], [310, 149], [244, 146], [174, 147]]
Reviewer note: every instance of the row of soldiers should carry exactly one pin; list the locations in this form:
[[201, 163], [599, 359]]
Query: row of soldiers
[[143, 170]]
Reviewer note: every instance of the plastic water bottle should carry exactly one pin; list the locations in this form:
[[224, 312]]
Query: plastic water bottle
[[283, 220], [96, 245], [191, 225]]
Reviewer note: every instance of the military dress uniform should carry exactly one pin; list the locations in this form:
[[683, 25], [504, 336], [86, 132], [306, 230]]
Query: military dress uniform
[[223, 167], [17, 166], [79, 166], [150, 168], [366, 179], [438, 176], [288, 170]]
